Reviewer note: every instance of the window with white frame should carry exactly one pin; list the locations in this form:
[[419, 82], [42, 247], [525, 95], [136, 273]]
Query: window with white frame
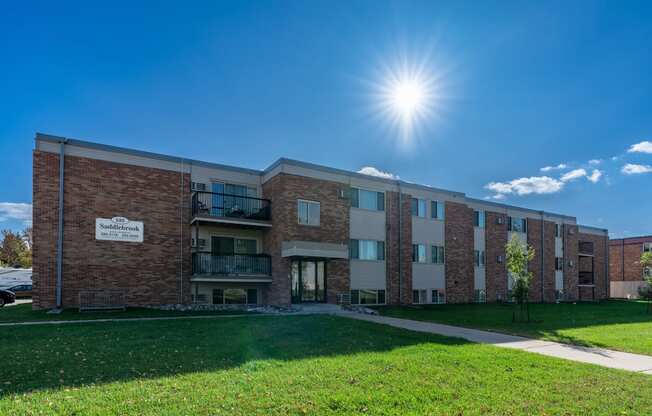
[[437, 254], [368, 297], [367, 249], [361, 198], [478, 258], [518, 225], [419, 253], [418, 207], [235, 296], [647, 247], [419, 296], [308, 212], [436, 296], [437, 210], [478, 219]]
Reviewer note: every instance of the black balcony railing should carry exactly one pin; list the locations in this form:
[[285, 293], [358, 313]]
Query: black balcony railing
[[586, 247], [586, 278], [231, 264], [213, 204]]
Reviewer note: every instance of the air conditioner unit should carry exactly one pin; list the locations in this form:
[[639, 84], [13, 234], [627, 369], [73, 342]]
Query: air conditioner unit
[[198, 186], [500, 220], [202, 242], [571, 263], [500, 259], [345, 193]]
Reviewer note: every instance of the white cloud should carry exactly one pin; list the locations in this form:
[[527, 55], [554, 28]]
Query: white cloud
[[632, 169], [595, 162], [642, 147], [16, 211], [595, 176], [371, 171], [573, 174], [558, 167], [525, 186]]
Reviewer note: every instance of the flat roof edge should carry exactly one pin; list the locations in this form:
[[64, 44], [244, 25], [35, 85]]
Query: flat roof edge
[[508, 206], [140, 153]]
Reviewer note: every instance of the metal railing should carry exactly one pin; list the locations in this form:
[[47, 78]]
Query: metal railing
[[586, 278], [585, 247], [232, 264], [231, 206], [101, 299]]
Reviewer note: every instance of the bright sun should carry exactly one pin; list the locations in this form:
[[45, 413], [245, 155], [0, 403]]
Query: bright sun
[[407, 97]]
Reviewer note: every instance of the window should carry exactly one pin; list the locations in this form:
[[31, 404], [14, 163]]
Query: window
[[367, 250], [368, 297], [235, 296], [308, 212], [419, 207], [478, 258], [419, 296], [518, 225], [559, 263], [199, 298], [478, 219], [361, 198], [647, 247], [437, 210], [198, 186], [557, 230], [648, 272], [230, 245], [419, 253], [437, 254], [480, 296], [437, 297]]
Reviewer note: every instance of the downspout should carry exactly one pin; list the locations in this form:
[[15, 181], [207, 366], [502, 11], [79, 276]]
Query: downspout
[[400, 229], [181, 232], [543, 255], [607, 285], [60, 237]]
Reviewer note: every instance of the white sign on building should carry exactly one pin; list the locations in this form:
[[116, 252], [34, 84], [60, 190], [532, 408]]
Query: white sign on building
[[119, 229]]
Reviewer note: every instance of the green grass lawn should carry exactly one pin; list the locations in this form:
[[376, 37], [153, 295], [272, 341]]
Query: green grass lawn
[[292, 365], [619, 325], [24, 313]]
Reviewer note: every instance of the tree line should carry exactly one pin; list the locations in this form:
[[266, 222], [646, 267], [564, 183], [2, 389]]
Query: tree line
[[16, 248]]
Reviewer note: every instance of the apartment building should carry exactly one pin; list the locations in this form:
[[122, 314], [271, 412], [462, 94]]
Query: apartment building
[[626, 273], [152, 229]]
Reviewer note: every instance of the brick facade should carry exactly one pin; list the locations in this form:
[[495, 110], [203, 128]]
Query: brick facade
[[600, 276], [459, 253], [283, 190], [153, 272], [495, 241], [624, 259], [392, 248], [542, 239], [570, 257]]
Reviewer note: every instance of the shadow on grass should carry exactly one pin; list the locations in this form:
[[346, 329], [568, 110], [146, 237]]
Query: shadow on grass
[[45, 357]]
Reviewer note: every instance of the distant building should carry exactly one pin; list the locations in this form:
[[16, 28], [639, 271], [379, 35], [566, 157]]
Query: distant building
[[625, 270]]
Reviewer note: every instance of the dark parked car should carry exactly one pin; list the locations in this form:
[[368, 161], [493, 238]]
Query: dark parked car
[[23, 290], [6, 297]]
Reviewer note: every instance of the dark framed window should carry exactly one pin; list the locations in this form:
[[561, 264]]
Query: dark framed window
[[419, 207], [478, 219], [362, 198], [368, 297], [418, 253], [367, 249], [437, 210], [437, 254]]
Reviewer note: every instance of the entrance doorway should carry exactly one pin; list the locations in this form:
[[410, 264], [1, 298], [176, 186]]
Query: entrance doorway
[[308, 281]]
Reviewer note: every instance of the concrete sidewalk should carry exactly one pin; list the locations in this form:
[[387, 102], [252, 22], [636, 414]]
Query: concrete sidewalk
[[599, 356]]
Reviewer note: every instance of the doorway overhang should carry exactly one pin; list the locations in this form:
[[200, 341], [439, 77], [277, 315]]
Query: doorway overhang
[[314, 249]]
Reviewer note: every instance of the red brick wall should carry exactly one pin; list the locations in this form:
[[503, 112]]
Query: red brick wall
[[570, 254], [459, 253], [599, 263], [544, 245], [392, 248], [153, 272], [495, 241], [283, 191], [631, 250]]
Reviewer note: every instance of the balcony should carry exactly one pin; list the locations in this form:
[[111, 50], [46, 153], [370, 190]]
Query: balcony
[[231, 267], [231, 209]]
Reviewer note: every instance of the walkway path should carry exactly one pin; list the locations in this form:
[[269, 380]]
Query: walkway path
[[599, 356]]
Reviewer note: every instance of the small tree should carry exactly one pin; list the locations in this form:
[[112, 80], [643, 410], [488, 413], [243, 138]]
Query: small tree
[[645, 292], [518, 257]]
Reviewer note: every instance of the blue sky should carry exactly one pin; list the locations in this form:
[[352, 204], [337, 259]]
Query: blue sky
[[519, 86]]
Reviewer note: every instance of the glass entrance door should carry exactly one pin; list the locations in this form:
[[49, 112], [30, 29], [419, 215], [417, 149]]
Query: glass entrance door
[[308, 281]]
